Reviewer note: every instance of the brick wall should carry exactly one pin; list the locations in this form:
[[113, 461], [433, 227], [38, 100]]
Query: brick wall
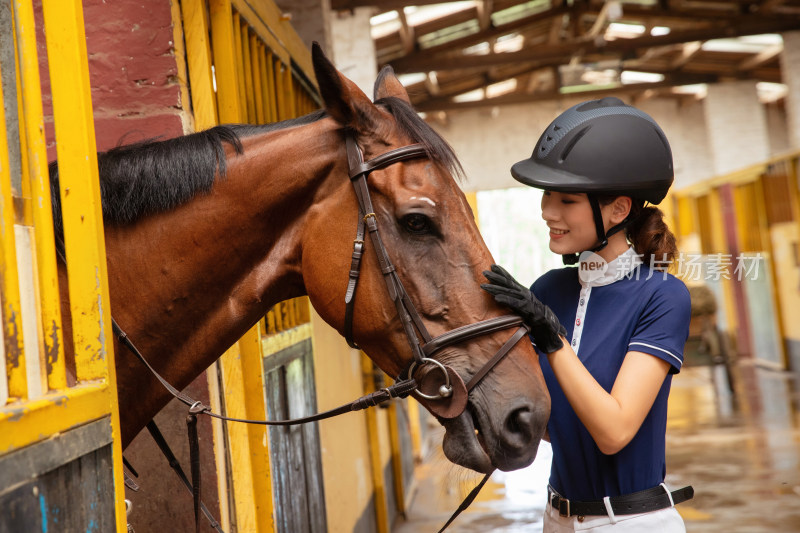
[[777, 128], [737, 126], [790, 66], [133, 71]]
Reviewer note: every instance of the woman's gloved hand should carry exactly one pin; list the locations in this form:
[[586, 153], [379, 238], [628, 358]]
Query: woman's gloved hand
[[545, 327]]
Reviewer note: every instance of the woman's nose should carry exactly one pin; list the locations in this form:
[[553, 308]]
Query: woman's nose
[[548, 213]]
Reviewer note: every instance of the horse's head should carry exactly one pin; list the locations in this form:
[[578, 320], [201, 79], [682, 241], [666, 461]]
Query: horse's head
[[431, 237]]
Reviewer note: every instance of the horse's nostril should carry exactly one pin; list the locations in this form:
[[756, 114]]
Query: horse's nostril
[[520, 422]]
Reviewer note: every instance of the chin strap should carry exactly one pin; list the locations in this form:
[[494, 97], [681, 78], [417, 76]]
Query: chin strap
[[602, 235]]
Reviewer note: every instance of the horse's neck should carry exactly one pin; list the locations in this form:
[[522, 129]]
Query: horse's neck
[[191, 281]]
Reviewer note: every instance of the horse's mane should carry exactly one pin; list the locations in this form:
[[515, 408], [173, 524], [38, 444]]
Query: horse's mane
[[157, 175], [419, 131]]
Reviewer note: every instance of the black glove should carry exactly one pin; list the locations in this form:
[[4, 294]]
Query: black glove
[[545, 327]]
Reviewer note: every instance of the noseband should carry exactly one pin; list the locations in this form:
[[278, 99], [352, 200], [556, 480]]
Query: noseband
[[449, 399]]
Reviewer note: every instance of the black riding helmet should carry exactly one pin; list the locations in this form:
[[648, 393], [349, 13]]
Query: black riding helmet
[[601, 147]]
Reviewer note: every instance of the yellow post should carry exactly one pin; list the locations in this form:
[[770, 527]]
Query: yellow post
[[247, 69], [288, 87], [265, 88], [280, 93], [414, 429], [255, 69], [222, 43], [241, 364], [381, 510], [249, 452], [40, 192], [83, 218], [11, 312], [237, 54], [198, 52], [272, 91], [397, 460]]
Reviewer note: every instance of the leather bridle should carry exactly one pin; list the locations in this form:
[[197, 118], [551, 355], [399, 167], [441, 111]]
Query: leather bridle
[[450, 393]]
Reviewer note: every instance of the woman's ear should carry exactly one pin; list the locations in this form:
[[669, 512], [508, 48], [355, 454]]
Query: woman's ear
[[620, 208]]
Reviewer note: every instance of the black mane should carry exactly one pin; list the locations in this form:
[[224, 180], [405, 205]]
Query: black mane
[[153, 176]]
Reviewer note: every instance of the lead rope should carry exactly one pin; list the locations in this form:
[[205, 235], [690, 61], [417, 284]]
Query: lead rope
[[194, 460], [467, 501], [176, 466]]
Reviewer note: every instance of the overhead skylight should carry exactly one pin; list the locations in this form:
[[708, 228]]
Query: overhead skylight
[[520, 11], [479, 49], [471, 96], [420, 14], [633, 76], [412, 78], [771, 92], [509, 43], [698, 90], [501, 88], [384, 24], [748, 44], [623, 30]]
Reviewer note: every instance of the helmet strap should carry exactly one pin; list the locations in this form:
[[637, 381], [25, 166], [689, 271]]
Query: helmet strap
[[602, 235]]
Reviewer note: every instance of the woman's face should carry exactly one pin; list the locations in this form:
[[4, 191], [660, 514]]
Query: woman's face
[[571, 223]]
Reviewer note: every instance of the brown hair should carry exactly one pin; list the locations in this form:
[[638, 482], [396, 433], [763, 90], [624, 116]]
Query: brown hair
[[649, 234]]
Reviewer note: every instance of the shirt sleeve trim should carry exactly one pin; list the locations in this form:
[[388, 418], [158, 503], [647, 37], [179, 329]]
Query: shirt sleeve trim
[[678, 359]]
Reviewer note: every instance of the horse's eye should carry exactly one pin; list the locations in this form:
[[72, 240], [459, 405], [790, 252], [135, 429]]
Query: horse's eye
[[417, 224]]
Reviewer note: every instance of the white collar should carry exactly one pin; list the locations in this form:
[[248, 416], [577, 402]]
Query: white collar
[[618, 268]]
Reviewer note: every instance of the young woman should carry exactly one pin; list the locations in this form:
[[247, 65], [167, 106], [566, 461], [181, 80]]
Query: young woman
[[610, 332]]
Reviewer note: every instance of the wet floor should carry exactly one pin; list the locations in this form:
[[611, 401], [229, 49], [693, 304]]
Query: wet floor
[[741, 452]]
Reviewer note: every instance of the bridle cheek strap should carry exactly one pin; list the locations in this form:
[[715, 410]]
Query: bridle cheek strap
[[447, 397]]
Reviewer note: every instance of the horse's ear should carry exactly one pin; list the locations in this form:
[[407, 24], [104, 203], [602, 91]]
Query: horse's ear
[[344, 101], [387, 84]]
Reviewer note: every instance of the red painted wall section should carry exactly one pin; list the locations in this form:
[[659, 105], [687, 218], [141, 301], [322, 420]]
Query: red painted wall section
[[133, 72]]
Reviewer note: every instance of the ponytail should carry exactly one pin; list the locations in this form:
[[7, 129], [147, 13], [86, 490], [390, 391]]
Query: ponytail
[[651, 237]]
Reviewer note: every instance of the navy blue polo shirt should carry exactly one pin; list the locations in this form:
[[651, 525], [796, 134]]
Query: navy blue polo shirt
[[643, 310]]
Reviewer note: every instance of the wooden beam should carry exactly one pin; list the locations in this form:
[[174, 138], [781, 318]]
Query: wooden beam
[[485, 8], [765, 56], [767, 6], [446, 104], [426, 61], [381, 5], [556, 26], [432, 84], [455, 88], [688, 51], [492, 32], [406, 32]]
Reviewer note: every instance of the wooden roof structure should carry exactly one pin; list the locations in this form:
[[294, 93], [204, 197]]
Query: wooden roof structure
[[493, 52]]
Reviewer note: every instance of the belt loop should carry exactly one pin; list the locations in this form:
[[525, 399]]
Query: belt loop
[[669, 494], [609, 510]]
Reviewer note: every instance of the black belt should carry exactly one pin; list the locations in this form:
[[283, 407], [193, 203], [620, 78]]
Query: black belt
[[644, 501]]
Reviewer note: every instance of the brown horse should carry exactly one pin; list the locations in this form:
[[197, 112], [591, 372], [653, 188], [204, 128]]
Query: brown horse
[[204, 233]]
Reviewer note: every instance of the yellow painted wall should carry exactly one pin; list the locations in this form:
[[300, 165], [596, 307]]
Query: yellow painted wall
[[343, 439], [785, 239]]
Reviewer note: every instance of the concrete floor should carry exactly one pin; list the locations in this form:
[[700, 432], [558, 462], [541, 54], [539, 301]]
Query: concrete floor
[[741, 452]]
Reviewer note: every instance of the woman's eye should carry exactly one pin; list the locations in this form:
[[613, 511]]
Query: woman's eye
[[417, 224]]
